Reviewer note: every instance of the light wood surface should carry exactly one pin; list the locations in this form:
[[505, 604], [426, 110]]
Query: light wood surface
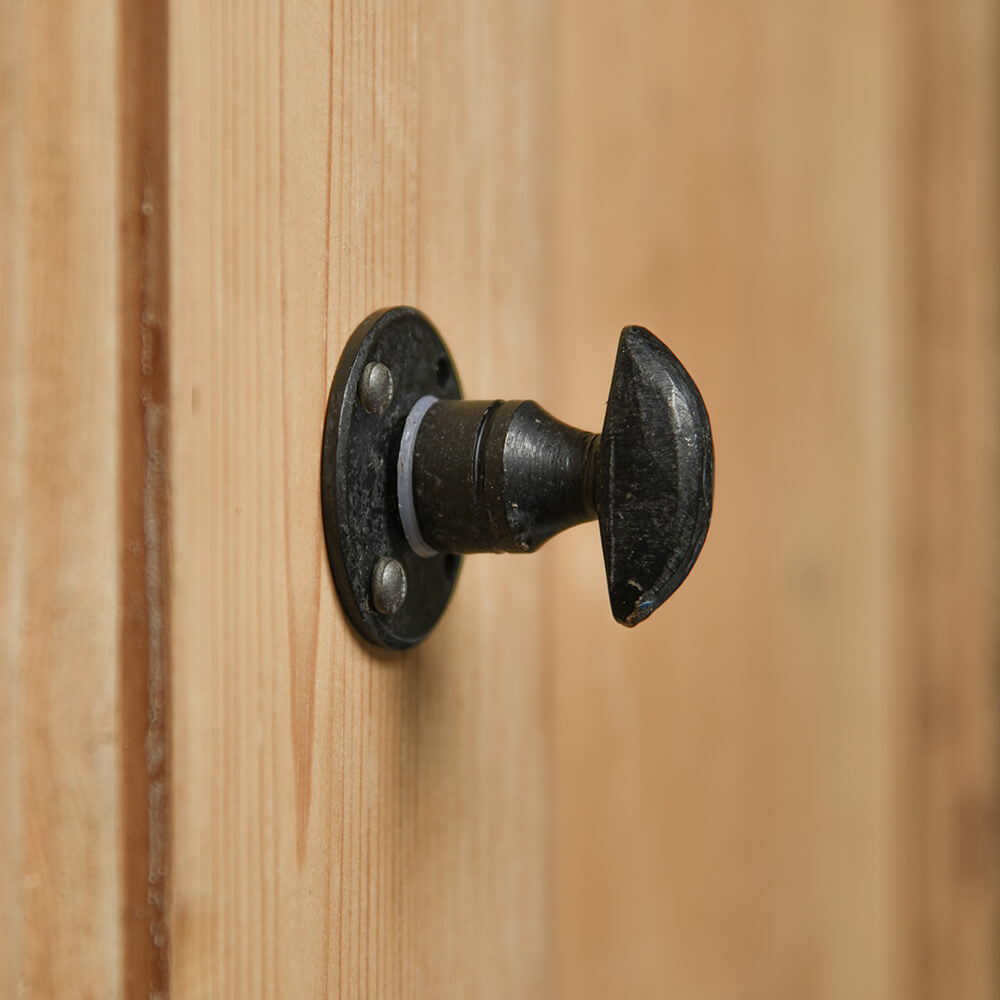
[[61, 889], [345, 824], [785, 785]]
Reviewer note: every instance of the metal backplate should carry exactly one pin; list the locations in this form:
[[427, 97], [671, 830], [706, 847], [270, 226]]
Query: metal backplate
[[358, 475]]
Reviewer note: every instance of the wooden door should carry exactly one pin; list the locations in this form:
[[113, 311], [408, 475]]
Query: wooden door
[[783, 785]]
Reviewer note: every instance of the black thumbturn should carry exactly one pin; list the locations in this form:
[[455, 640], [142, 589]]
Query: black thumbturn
[[413, 476]]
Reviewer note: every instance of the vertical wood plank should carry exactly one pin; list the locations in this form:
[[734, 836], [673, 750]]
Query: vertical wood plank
[[60, 752], [948, 491], [720, 773], [785, 784], [343, 822]]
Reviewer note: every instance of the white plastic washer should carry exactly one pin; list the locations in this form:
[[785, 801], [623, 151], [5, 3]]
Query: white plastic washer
[[404, 477]]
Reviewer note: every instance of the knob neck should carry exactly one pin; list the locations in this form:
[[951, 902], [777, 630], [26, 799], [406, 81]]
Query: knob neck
[[494, 476]]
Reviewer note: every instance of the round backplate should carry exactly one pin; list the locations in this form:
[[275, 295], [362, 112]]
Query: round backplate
[[358, 475]]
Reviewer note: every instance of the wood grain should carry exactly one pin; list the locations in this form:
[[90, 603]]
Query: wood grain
[[345, 823], [785, 785], [948, 551], [61, 885]]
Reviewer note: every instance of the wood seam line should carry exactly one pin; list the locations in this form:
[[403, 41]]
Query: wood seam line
[[144, 385]]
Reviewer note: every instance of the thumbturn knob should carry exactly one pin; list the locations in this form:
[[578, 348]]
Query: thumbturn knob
[[413, 476]]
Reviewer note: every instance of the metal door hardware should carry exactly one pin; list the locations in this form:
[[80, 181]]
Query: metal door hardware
[[413, 476]]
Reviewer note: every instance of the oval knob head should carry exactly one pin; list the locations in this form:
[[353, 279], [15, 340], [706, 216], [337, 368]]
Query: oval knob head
[[656, 475]]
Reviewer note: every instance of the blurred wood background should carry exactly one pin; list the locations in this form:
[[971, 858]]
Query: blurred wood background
[[786, 784]]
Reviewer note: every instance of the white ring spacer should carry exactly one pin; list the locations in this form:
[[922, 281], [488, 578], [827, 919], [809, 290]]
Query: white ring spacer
[[404, 477]]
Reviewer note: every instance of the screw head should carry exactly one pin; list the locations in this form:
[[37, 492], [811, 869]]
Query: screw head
[[375, 387], [388, 585]]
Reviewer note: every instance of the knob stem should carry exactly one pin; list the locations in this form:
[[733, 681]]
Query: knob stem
[[494, 476]]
